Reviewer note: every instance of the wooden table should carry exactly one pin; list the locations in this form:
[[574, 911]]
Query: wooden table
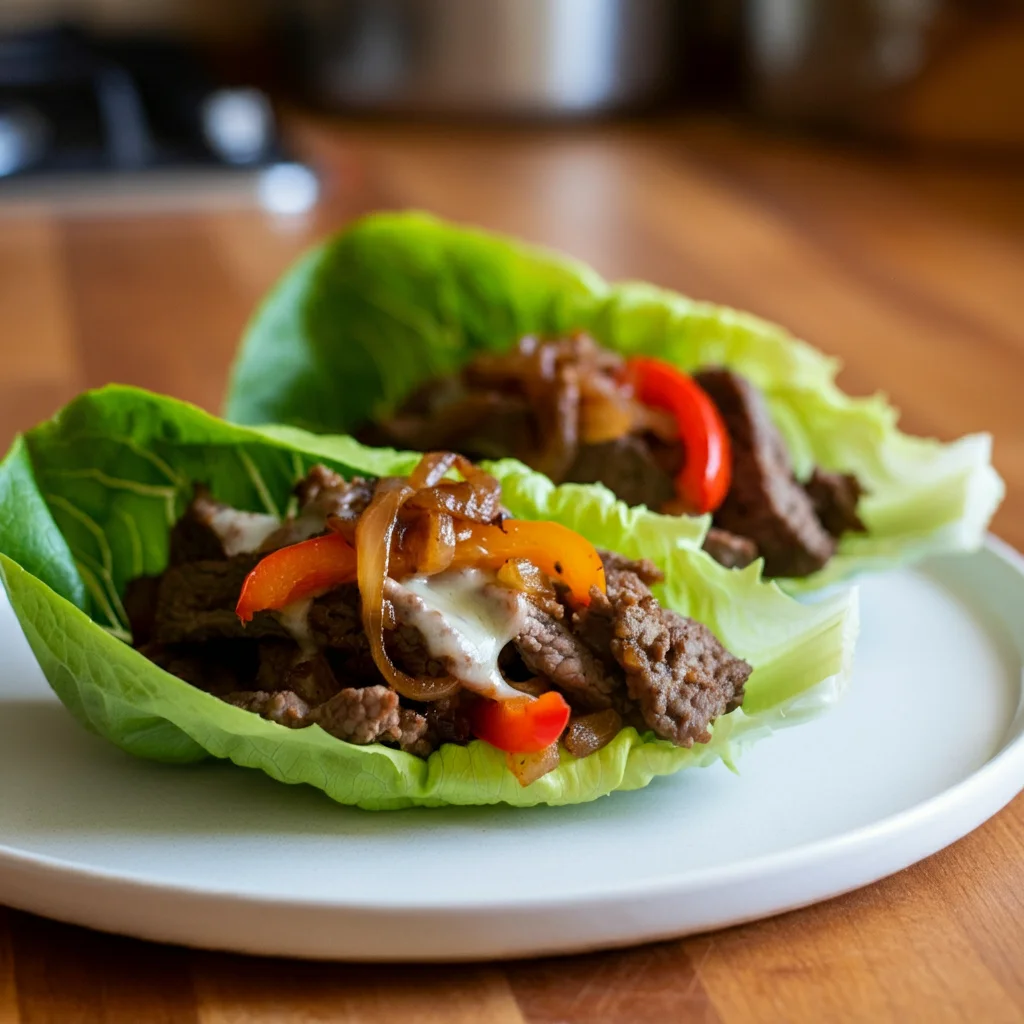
[[912, 272]]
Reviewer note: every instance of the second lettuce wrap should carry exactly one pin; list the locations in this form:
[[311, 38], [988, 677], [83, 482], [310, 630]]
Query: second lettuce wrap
[[399, 298]]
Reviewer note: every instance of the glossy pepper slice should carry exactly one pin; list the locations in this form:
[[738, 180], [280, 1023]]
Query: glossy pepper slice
[[560, 553], [307, 569], [703, 482], [521, 725]]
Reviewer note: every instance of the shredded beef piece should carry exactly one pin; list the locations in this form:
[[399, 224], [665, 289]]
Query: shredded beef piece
[[729, 549], [360, 715], [677, 673], [411, 733], [550, 649], [196, 602], [765, 502], [284, 666], [448, 720], [282, 707], [330, 492], [140, 599], [648, 572], [210, 530], [627, 467], [218, 667], [835, 497]]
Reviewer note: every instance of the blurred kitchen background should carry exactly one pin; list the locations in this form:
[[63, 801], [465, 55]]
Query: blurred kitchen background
[[182, 101]]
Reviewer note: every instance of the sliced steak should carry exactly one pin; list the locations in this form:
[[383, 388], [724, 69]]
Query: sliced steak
[[412, 733], [765, 502], [627, 467], [644, 568], [448, 720], [284, 666], [140, 598], [730, 549], [835, 497], [677, 673], [219, 667], [282, 707], [196, 602], [361, 715], [550, 649]]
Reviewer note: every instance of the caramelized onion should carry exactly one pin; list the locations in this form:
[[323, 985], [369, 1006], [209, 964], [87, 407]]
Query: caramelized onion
[[589, 733], [373, 555], [529, 768]]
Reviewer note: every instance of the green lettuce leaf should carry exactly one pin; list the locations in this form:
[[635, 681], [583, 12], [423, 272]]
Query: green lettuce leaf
[[87, 501], [397, 298]]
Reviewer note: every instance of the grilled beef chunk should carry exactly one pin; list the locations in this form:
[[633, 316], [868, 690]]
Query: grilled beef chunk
[[196, 602], [729, 549], [361, 715], [627, 467], [549, 648], [140, 606], [283, 665], [283, 707], [218, 667], [835, 497], [765, 502], [677, 673]]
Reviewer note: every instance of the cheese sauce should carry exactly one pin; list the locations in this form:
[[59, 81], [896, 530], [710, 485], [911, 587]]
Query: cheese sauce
[[467, 619]]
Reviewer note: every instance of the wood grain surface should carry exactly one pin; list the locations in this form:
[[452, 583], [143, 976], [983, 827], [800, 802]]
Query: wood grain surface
[[912, 272]]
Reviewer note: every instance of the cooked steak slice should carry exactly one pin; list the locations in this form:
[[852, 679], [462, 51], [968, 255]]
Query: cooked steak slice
[[729, 549], [196, 602], [648, 572], [835, 497], [549, 648], [284, 666], [219, 667], [413, 733], [627, 467], [140, 597], [448, 720], [282, 707], [765, 502], [360, 715], [677, 673]]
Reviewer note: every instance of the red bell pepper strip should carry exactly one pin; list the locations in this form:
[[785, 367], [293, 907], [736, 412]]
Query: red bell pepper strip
[[560, 553], [703, 482], [521, 725], [307, 569]]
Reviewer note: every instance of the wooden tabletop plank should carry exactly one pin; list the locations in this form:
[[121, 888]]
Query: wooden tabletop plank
[[910, 271]]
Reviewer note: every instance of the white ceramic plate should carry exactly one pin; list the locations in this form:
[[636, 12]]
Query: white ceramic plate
[[928, 744]]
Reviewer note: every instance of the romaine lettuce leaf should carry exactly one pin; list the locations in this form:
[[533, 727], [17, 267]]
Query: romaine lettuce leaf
[[87, 501], [400, 297]]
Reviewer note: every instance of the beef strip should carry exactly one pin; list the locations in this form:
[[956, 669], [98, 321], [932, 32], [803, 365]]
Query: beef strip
[[284, 666], [140, 597], [196, 602], [218, 667], [413, 733], [835, 497], [729, 549], [282, 707], [644, 568], [210, 530], [627, 467], [549, 648], [448, 720], [361, 715], [765, 502], [678, 675]]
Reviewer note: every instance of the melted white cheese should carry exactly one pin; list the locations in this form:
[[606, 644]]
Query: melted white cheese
[[467, 619], [242, 532], [295, 618]]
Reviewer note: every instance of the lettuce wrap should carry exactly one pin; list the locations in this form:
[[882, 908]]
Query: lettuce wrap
[[396, 299], [87, 501]]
